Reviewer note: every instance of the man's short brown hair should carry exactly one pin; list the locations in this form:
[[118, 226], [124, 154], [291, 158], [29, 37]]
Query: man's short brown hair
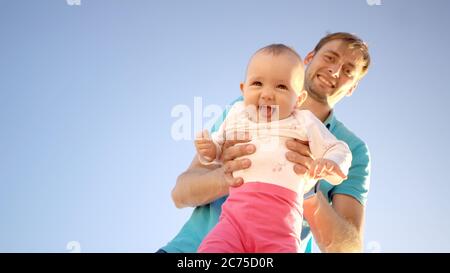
[[353, 41]]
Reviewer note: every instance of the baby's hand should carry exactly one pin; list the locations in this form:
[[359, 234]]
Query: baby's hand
[[325, 168], [205, 146]]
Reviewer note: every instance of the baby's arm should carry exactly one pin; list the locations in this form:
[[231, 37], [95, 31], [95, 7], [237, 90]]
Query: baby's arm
[[209, 149], [333, 158], [327, 169], [206, 148]]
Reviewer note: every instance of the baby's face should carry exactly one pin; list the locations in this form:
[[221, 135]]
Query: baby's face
[[272, 85]]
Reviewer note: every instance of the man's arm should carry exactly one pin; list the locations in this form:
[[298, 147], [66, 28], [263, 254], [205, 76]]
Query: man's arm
[[201, 184], [336, 228]]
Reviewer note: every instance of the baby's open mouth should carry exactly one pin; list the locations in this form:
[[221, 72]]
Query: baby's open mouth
[[266, 111]]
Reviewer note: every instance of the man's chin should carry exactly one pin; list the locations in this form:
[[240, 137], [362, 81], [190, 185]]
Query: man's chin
[[317, 96]]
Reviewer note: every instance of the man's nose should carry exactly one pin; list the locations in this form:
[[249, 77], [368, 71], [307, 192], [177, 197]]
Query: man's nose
[[335, 70]]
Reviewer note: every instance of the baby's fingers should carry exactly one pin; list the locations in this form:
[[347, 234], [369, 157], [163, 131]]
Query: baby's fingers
[[206, 145], [320, 170], [329, 166], [338, 172], [203, 135], [313, 170]]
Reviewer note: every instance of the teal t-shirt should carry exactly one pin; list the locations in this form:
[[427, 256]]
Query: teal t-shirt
[[205, 217]]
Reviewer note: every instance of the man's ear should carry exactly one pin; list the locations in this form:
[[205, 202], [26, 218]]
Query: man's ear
[[351, 90], [242, 87], [309, 57], [301, 98]]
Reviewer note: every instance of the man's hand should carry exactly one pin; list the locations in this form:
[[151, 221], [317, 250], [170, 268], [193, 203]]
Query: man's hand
[[301, 156], [205, 146], [231, 151]]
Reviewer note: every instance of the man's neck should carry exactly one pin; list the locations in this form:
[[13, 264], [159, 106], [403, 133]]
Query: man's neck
[[320, 110]]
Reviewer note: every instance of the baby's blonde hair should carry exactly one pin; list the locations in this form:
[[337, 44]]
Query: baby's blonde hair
[[277, 49]]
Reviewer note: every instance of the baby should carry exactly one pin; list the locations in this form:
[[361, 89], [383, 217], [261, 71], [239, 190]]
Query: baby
[[265, 213]]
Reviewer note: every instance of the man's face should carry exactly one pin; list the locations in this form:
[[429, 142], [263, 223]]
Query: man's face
[[272, 84], [333, 72]]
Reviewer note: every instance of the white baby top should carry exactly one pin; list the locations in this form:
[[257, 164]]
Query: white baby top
[[269, 163]]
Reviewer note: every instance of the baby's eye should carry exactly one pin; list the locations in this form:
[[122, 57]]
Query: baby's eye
[[256, 83], [282, 86]]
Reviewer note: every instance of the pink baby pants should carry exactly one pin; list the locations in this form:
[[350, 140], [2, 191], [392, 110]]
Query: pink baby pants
[[257, 217]]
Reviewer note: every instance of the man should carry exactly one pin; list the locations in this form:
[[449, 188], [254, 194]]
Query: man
[[334, 214]]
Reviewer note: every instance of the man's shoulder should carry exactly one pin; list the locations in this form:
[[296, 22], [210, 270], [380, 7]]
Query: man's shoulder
[[239, 100], [236, 104], [306, 115], [357, 184], [355, 143]]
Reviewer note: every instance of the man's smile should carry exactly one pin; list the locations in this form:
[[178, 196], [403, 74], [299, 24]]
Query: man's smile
[[326, 81]]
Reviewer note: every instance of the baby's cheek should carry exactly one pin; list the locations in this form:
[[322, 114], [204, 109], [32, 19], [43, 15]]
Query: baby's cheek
[[286, 109]]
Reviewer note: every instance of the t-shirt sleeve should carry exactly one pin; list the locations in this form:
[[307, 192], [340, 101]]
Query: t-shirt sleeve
[[229, 117], [358, 181], [323, 144], [222, 118], [216, 129], [218, 135]]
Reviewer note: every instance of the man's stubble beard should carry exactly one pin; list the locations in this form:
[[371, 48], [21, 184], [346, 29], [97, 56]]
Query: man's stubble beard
[[313, 94]]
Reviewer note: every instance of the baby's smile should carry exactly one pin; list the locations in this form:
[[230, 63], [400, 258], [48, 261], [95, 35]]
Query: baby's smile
[[266, 112]]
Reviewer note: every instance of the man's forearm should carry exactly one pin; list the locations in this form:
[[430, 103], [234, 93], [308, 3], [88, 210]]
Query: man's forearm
[[332, 232], [198, 186]]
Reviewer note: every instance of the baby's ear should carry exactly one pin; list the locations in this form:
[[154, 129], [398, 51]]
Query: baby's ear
[[301, 98], [242, 87]]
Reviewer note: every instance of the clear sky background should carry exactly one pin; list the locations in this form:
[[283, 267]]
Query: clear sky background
[[87, 158]]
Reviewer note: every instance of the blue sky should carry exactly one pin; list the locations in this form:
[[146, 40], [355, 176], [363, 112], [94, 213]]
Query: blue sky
[[86, 95]]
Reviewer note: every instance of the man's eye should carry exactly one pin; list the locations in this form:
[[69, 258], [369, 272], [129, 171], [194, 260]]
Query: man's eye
[[328, 58], [282, 86], [257, 83]]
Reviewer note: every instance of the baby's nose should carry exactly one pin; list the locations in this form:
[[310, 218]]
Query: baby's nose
[[267, 96]]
